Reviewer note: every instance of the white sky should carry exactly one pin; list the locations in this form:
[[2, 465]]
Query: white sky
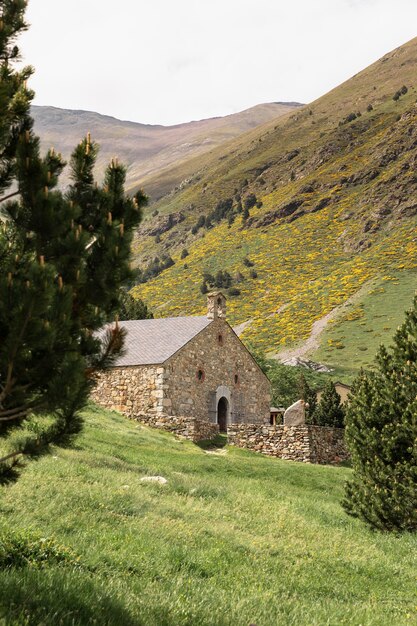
[[171, 61]]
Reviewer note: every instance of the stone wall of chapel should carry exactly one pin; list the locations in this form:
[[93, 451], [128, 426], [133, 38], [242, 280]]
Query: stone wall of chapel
[[221, 360], [135, 390]]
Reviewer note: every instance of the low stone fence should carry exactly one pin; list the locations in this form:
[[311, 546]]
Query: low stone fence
[[327, 445], [308, 444], [188, 427]]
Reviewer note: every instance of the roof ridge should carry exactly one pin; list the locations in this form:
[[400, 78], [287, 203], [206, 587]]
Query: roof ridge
[[160, 319]]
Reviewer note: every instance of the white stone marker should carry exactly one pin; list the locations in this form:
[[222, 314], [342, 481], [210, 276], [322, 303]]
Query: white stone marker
[[295, 415]]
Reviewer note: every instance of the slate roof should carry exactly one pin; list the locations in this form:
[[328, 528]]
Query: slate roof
[[150, 342]]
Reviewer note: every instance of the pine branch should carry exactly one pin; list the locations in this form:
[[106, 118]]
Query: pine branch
[[11, 195], [14, 414]]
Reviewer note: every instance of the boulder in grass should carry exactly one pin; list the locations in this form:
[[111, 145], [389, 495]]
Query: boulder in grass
[[154, 479]]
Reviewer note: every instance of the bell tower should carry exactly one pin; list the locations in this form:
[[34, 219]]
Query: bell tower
[[216, 305]]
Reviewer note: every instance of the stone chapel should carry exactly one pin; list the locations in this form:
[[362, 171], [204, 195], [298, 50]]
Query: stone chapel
[[186, 368]]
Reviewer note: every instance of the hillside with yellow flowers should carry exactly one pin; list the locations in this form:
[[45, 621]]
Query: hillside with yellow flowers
[[311, 215]]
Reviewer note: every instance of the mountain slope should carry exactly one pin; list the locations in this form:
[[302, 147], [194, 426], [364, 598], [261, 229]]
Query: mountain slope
[[338, 189], [145, 148]]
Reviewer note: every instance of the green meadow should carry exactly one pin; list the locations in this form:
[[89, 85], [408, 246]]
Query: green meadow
[[233, 538], [355, 336]]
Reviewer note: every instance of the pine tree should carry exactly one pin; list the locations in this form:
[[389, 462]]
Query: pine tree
[[381, 433], [329, 411], [309, 396], [63, 262], [15, 98]]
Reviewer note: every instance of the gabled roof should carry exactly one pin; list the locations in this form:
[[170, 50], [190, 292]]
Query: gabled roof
[[151, 342]]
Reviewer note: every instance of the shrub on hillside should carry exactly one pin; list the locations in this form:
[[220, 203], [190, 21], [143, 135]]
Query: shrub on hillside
[[350, 118], [208, 278], [155, 267], [223, 280], [222, 209], [399, 93], [249, 201]]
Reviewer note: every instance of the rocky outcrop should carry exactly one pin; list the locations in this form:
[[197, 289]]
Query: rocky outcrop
[[161, 224], [297, 361]]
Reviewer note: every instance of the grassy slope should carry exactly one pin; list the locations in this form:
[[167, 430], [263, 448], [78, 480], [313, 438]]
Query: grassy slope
[[355, 336], [316, 262], [231, 540]]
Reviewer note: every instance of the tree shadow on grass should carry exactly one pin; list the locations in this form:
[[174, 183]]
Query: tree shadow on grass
[[58, 596]]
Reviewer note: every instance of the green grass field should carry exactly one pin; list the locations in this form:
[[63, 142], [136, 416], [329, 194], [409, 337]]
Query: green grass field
[[233, 539], [354, 338]]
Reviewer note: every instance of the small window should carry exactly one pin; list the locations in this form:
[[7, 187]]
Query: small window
[[219, 301], [236, 379], [200, 375], [220, 339]]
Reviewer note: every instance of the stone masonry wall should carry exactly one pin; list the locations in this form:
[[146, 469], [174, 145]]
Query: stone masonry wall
[[224, 363], [308, 444], [327, 445], [131, 390], [137, 392], [188, 427]]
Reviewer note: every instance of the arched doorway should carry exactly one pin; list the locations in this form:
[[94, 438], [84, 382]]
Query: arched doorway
[[222, 414]]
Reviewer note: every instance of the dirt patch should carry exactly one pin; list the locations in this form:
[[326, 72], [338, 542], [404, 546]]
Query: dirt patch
[[241, 327], [313, 342]]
